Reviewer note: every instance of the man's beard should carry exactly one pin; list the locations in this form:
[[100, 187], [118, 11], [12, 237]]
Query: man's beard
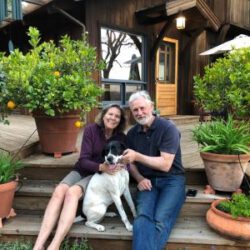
[[144, 121]]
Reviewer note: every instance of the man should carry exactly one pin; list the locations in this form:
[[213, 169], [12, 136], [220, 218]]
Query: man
[[155, 157]]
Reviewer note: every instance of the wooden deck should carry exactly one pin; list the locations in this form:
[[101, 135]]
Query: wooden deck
[[42, 173], [13, 137]]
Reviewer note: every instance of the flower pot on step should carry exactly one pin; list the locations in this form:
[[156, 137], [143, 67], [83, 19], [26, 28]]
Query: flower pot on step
[[7, 191], [224, 223], [57, 134], [225, 172]]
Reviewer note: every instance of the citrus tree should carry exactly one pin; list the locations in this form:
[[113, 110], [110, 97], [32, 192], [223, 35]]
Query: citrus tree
[[50, 78], [225, 84]]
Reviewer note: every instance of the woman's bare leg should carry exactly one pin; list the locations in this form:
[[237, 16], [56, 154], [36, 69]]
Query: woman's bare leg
[[51, 215], [67, 216]]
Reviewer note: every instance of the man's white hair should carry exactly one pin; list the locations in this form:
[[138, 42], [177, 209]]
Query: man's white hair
[[138, 94]]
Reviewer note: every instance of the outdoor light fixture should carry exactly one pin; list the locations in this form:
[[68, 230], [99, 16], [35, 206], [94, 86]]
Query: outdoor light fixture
[[180, 22]]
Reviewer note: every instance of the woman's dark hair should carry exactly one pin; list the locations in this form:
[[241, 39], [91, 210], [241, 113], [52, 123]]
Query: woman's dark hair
[[122, 125]]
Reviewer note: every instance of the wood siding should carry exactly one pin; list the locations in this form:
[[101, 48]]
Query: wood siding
[[239, 13]]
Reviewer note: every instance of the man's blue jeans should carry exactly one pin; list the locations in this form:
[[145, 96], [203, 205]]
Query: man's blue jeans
[[157, 211]]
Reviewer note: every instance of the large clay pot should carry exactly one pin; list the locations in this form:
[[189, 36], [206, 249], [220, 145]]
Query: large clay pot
[[224, 172], [238, 228], [7, 191], [57, 134]]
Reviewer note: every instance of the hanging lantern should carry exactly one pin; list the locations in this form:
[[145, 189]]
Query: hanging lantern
[[180, 22]]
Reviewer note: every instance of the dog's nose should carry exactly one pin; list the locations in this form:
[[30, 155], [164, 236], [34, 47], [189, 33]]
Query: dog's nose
[[110, 159]]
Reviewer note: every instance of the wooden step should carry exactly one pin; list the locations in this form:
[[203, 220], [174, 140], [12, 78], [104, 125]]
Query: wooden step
[[33, 197], [188, 233]]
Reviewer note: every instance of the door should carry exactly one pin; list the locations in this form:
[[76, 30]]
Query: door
[[166, 77]]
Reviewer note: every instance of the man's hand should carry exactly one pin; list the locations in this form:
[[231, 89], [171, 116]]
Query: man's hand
[[129, 156], [144, 184]]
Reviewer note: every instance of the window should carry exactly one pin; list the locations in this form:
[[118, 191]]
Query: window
[[124, 56], [166, 63]]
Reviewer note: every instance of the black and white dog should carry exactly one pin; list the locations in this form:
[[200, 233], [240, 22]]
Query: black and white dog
[[104, 189]]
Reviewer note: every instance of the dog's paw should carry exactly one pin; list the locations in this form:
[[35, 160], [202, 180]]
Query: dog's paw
[[100, 228], [129, 227]]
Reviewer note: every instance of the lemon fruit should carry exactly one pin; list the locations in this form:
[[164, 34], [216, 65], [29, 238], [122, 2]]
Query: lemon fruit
[[57, 73], [78, 124], [11, 105]]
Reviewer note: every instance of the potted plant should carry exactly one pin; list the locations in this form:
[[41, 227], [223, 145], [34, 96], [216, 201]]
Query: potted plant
[[224, 87], [224, 149], [8, 182], [231, 217], [52, 82]]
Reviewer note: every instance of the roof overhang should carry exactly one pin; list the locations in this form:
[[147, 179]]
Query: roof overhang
[[196, 12]]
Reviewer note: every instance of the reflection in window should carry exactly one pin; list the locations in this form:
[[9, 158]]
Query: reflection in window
[[123, 55]]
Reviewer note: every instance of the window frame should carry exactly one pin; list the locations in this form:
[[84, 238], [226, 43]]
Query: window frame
[[122, 82]]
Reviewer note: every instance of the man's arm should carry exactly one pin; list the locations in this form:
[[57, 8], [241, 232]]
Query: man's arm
[[143, 183], [162, 162]]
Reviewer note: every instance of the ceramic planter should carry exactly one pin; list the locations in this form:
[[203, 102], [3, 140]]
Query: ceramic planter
[[238, 228], [224, 172], [57, 134], [7, 191]]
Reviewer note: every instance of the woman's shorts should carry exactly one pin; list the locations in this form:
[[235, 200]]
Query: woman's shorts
[[74, 178]]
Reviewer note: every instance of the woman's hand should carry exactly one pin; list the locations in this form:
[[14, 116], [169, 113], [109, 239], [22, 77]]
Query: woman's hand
[[144, 184]]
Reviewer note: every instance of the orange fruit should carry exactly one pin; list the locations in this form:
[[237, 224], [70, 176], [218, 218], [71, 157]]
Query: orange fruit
[[78, 124], [11, 105], [57, 73]]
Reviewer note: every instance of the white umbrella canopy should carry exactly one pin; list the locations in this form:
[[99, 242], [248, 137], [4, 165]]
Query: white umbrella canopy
[[238, 42]]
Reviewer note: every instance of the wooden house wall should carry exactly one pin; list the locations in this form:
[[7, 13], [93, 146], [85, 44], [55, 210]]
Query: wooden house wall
[[120, 14], [239, 13]]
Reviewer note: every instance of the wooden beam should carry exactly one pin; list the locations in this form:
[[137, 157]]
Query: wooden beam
[[223, 33], [162, 33], [191, 40]]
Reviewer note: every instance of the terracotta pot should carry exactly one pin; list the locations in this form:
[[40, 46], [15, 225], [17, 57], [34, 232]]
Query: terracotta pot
[[7, 191], [238, 228], [57, 134], [224, 172]]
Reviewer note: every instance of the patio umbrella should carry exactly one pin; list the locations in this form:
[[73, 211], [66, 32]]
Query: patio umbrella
[[240, 41]]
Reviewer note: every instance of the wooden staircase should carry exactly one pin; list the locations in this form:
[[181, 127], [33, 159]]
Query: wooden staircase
[[42, 173]]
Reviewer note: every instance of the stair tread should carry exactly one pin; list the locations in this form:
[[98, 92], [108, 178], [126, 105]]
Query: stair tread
[[45, 188], [197, 228]]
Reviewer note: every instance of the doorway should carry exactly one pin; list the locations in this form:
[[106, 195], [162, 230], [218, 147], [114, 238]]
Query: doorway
[[167, 77]]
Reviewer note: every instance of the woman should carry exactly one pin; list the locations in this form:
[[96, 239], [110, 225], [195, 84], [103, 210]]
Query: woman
[[62, 207]]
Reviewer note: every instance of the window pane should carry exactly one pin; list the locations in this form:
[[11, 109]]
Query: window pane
[[122, 53], [130, 89], [111, 92], [166, 63], [162, 67]]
